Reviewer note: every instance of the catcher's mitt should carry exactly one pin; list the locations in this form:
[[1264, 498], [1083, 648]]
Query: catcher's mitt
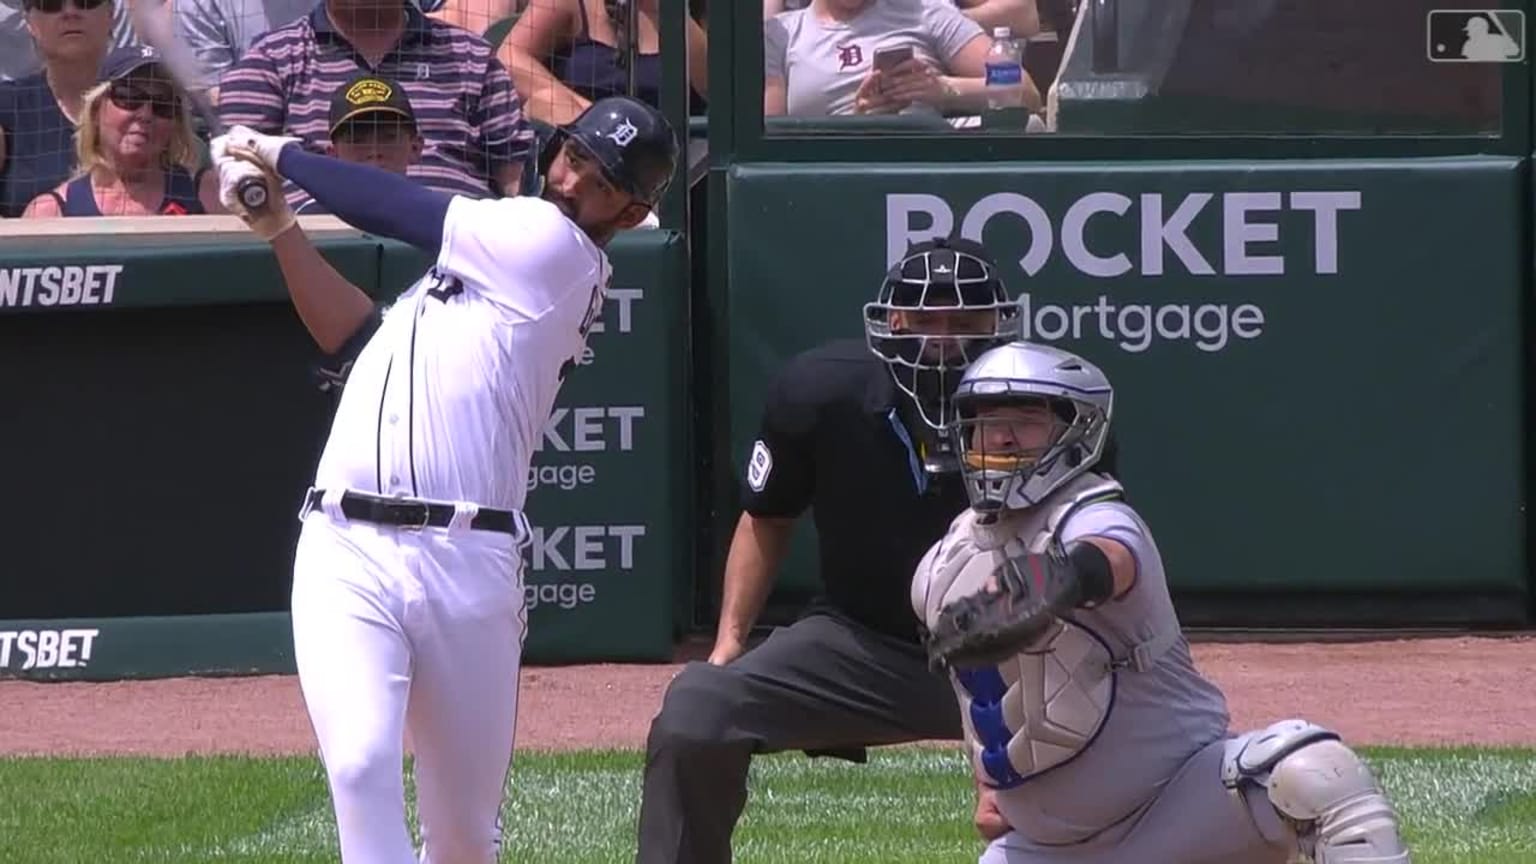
[[989, 626]]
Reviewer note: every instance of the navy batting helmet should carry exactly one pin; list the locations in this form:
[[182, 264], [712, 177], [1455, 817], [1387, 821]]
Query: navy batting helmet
[[632, 141]]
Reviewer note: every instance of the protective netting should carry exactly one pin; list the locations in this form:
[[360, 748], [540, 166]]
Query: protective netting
[[98, 118]]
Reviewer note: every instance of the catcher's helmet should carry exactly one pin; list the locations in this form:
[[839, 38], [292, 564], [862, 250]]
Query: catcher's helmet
[[632, 141], [1081, 402], [939, 276]]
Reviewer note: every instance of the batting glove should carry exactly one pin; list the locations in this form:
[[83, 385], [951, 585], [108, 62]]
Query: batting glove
[[237, 165], [265, 148]]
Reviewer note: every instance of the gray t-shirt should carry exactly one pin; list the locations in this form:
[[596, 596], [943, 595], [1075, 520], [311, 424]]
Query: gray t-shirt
[[18, 52], [823, 62], [1161, 717], [220, 31]]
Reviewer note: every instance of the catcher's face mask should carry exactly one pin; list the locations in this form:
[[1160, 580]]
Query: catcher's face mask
[[1015, 452], [1011, 438]]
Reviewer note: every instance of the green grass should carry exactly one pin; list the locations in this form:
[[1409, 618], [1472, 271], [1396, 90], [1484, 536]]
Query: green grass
[[907, 805]]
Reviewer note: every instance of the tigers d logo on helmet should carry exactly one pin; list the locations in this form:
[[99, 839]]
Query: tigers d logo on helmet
[[624, 133]]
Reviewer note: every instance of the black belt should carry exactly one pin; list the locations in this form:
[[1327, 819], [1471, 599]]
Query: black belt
[[417, 514]]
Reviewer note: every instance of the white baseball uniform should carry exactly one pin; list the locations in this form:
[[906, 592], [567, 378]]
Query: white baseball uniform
[[400, 628]]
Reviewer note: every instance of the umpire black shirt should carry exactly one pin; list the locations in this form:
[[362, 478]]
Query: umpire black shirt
[[838, 437]]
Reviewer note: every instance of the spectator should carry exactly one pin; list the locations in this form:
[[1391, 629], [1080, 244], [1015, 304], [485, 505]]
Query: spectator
[[371, 122], [136, 149], [774, 7], [19, 55], [566, 54], [476, 141], [1020, 16], [38, 112], [220, 31], [820, 60]]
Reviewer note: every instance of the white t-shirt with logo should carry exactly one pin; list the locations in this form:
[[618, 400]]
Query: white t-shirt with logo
[[823, 62], [448, 399]]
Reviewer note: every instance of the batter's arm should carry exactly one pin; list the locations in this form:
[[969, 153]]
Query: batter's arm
[[369, 198], [331, 308], [757, 550]]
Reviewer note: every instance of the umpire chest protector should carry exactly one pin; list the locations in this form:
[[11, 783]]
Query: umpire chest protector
[[1042, 707]]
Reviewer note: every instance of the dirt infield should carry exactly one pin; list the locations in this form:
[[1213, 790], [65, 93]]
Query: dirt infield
[[1413, 691]]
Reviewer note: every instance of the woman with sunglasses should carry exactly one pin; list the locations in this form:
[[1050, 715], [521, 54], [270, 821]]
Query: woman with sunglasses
[[137, 153], [38, 112]]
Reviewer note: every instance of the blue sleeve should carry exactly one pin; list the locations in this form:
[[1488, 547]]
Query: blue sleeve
[[368, 198]]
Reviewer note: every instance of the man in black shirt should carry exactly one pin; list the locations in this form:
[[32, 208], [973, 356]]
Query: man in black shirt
[[850, 431]]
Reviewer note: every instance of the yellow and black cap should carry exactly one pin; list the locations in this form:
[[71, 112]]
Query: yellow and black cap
[[370, 96]]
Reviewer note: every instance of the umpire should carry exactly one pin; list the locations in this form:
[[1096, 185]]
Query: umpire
[[850, 432]]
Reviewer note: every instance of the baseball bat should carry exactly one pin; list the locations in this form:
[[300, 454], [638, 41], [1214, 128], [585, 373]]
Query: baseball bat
[[152, 21], [1503, 31]]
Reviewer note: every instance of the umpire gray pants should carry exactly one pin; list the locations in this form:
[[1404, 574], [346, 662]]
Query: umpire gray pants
[[824, 684]]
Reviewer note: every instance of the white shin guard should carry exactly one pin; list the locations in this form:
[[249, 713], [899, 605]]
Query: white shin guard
[[1321, 786]]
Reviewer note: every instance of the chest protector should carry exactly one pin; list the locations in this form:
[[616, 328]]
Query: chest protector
[[1042, 707]]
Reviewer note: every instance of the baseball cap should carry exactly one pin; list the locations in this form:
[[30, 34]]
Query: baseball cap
[[369, 94], [122, 62]]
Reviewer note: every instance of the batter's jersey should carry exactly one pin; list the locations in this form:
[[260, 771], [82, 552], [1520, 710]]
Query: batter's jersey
[[447, 400]]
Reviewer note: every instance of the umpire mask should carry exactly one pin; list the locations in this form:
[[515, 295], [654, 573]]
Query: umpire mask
[[939, 309]]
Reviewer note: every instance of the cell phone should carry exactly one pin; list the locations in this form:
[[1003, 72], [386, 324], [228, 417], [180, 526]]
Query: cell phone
[[889, 58]]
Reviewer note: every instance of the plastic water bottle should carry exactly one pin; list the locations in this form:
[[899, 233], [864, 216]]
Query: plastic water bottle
[[1005, 71]]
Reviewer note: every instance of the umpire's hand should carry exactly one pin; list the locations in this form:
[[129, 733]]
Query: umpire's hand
[[726, 649]]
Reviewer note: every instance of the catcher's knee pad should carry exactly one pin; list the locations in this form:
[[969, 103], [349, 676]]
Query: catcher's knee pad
[[1323, 788]]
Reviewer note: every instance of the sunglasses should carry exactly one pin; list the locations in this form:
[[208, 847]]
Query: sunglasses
[[54, 6], [129, 97]]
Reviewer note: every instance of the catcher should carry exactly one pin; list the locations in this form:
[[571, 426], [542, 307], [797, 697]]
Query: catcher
[[1088, 725]]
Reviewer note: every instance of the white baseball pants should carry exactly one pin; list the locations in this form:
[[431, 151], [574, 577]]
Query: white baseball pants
[[398, 629]]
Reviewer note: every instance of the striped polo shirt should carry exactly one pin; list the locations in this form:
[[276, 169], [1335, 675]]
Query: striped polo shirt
[[469, 116]]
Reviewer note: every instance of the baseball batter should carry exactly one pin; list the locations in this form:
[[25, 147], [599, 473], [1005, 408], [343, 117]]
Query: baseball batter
[[407, 595], [1085, 717]]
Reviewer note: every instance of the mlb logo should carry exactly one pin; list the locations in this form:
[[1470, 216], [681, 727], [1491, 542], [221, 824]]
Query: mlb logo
[[1476, 36]]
